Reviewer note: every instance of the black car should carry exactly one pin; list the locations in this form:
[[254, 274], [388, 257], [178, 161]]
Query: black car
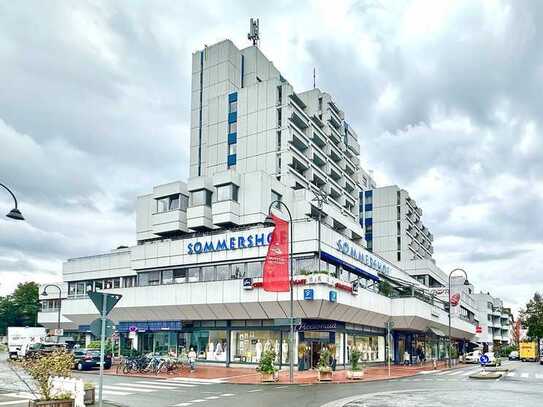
[[85, 359]]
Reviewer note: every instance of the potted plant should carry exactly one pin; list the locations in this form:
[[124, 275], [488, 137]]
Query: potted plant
[[90, 393], [324, 369], [266, 367], [357, 371], [42, 370]]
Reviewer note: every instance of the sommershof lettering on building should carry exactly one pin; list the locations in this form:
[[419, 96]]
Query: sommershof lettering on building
[[364, 258], [232, 243]]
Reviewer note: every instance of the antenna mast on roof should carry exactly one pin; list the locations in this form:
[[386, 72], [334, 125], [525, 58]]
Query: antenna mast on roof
[[254, 32]]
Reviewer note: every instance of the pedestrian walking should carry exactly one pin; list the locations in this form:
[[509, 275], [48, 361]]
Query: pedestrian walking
[[192, 359]]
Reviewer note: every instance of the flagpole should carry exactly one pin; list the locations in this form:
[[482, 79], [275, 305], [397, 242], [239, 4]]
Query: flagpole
[[291, 286]]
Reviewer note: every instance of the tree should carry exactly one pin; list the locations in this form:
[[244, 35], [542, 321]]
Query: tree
[[532, 317], [20, 308]]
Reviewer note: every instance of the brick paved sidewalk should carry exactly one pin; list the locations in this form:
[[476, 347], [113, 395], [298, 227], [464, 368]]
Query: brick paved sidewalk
[[250, 376]]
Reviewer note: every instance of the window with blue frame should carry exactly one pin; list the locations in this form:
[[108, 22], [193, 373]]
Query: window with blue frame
[[232, 129]]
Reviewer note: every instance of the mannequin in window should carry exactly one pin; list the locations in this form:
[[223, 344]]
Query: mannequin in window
[[258, 350]]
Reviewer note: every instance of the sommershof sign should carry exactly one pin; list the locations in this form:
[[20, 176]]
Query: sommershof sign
[[364, 258]]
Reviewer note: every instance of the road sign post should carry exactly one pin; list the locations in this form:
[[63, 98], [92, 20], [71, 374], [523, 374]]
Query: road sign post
[[483, 360], [104, 303]]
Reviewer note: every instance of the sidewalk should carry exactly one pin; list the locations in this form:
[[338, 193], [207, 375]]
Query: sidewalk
[[250, 376]]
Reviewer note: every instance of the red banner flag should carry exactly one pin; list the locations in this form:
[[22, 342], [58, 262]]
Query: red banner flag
[[455, 299], [276, 277]]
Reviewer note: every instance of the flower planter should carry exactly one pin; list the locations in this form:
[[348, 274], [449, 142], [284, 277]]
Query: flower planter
[[90, 396], [325, 375], [51, 403], [269, 377], [355, 374]]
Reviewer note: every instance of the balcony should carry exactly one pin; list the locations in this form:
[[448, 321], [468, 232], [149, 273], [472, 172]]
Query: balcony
[[225, 213], [199, 217]]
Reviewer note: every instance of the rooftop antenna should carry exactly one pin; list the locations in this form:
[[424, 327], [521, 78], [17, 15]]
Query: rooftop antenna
[[314, 78], [254, 34]]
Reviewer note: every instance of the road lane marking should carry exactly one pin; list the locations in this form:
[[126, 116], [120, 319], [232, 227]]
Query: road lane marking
[[197, 401], [7, 403], [166, 385], [511, 374], [20, 395], [227, 395], [127, 388], [254, 390], [182, 404], [143, 386], [194, 380], [212, 397], [280, 387], [116, 393], [525, 375], [539, 376]]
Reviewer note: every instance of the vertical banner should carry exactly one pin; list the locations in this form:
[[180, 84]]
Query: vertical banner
[[455, 301], [275, 275]]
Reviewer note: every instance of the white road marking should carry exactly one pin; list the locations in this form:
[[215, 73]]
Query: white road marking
[[254, 390], [443, 372], [227, 394], [469, 372], [455, 373], [182, 404], [525, 375], [164, 385], [138, 385], [511, 374], [429, 372], [116, 393], [280, 387], [197, 401], [126, 388], [212, 397], [20, 395], [7, 403], [194, 380], [539, 376]]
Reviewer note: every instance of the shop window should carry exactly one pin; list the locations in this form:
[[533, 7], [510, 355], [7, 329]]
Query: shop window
[[254, 269], [129, 281], [208, 273], [180, 276], [223, 272], [80, 288], [194, 274], [238, 271], [248, 346], [98, 285], [371, 347], [306, 265], [167, 277], [209, 345]]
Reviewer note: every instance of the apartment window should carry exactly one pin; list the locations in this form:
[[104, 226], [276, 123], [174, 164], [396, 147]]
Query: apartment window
[[130, 281], [208, 273], [275, 196], [223, 272], [167, 277], [233, 106], [398, 213], [201, 197], [172, 202], [98, 285], [279, 95], [232, 127], [398, 228], [369, 198], [399, 256], [279, 140], [227, 192], [397, 197], [320, 103], [399, 242], [279, 118]]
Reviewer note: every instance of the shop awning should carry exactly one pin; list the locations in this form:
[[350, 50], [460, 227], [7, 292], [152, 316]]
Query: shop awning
[[346, 266], [436, 331]]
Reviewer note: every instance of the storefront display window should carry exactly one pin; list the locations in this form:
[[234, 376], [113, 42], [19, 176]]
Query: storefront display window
[[210, 346], [254, 269], [248, 346], [372, 347]]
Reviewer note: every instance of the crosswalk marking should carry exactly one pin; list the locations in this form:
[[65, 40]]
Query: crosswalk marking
[[469, 372], [127, 388], [7, 403], [20, 395], [212, 397], [197, 401], [138, 385], [455, 373], [539, 376], [194, 380], [524, 375], [442, 373], [182, 404], [511, 374], [116, 393], [227, 395], [166, 385]]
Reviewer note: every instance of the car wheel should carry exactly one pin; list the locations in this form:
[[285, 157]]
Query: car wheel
[[80, 366]]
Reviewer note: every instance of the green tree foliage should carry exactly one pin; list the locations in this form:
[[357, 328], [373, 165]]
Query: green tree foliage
[[20, 308], [532, 317]]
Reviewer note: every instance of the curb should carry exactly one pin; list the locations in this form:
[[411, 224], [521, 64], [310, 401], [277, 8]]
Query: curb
[[491, 376]]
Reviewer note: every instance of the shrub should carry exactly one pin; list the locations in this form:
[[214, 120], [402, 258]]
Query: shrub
[[42, 369], [324, 360], [266, 362], [355, 359]]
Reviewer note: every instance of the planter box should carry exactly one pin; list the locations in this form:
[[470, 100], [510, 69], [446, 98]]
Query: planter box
[[325, 375], [51, 403], [90, 396], [269, 377], [355, 374]]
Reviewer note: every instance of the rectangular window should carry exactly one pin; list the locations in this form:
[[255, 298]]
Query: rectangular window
[[208, 273], [279, 95], [276, 197], [398, 213], [399, 242], [399, 256], [320, 103], [279, 118], [227, 192], [117, 282], [223, 272], [174, 202], [232, 149], [232, 127], [162, 204], [233, 107], [194, 274], [71, 289], [129, 281], [231, 161], [254, 269], [279, 140], [201, 197], [180, 276], [398, 228], [167, 277], [98, 285]]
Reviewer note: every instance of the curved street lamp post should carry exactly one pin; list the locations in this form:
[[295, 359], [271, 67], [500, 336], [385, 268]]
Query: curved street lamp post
[[15, 213], [269, 221], [44, 294], [466, 282]]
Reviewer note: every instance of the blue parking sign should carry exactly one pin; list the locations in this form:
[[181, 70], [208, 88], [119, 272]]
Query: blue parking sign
[[483, 359], [308, 293], [333, 296]]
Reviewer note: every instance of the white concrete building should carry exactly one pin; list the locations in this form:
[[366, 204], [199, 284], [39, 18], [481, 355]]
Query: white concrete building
[[494, 321], [194, 277]]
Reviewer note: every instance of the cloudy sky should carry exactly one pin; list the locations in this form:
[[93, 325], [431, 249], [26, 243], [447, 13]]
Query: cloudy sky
[[446, 99]]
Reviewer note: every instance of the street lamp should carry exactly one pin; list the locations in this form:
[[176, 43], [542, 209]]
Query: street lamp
[[466, 282], [14, 213], [269, 221], [44, 294]]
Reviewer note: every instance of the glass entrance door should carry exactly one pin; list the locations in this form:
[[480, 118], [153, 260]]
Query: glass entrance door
[[315, 352]]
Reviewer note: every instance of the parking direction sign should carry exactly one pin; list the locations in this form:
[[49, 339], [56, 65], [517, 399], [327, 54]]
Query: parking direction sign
[[483, 359]]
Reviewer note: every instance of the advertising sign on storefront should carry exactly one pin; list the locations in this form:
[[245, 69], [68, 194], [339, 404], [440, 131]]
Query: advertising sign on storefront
[[308, 294]]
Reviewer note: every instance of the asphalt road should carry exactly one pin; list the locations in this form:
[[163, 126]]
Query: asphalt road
[[522, 387]]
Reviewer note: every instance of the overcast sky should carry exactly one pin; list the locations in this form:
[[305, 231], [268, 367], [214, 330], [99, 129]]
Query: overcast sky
[[446, 99]]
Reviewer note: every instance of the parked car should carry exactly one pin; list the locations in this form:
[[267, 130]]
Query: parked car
[[514, 355], [32, 350], [472, 357], [85, 359]]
